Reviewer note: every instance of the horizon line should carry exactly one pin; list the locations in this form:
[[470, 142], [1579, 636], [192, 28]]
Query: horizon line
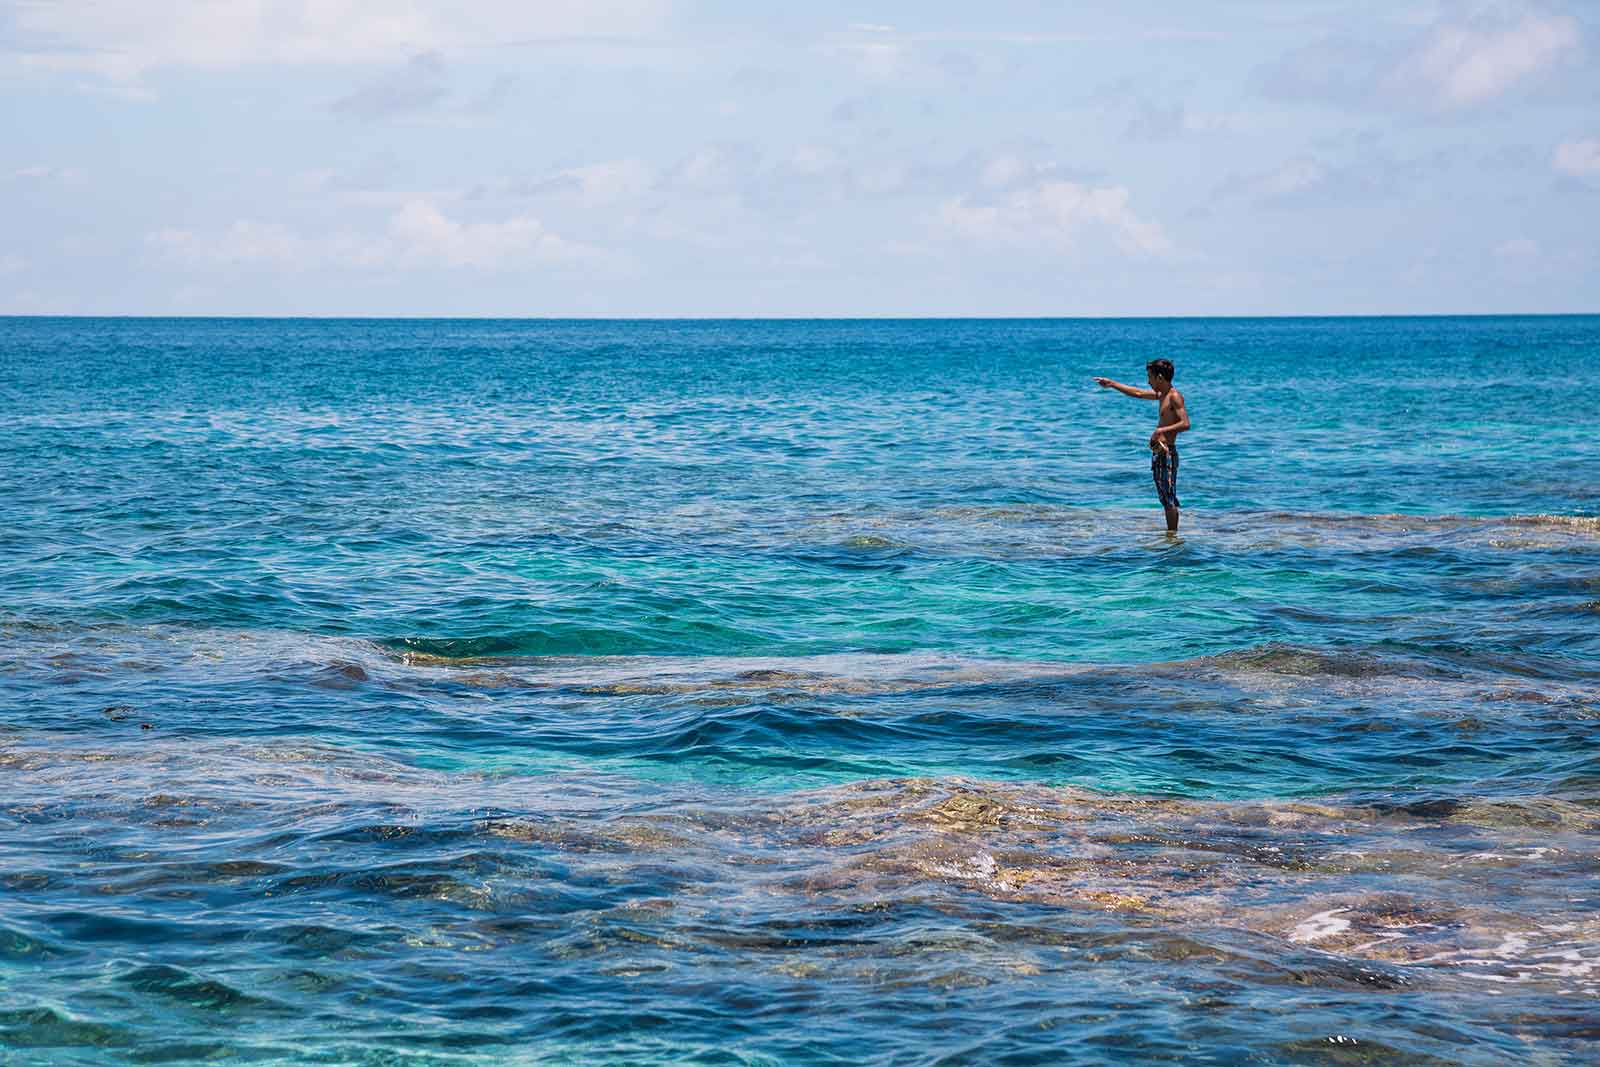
[[809, 318]]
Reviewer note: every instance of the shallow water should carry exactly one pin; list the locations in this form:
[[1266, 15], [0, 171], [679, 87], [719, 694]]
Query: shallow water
[[764, 692]]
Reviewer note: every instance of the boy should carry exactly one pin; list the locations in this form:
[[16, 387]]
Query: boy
[[1172, 420]]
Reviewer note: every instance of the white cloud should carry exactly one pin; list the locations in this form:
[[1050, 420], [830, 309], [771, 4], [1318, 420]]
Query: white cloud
[[1520, 259], [879, 60], [42, 173], [1295, 176], [880, 53], [883, 53], [416, 86], [1519, 251], [718, 168], [812, 160], [427, 238], [122, 39], [1008, 170], [1462, 64], [881, 180], [495, 96], [126, 92], [612, 182], [1056, 213], [1004, 170], [418, 236], [1475, 54], [875, 50], [249, 243], [1300, 181], [1156, 121], [600, 184], [1579, 159]]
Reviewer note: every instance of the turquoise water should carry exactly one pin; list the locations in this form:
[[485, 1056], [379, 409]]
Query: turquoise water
[[437, 692]]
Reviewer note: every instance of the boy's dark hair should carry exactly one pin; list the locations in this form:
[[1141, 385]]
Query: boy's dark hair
[[1162, 367]]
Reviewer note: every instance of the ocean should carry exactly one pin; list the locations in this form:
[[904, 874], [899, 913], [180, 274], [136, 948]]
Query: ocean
[[798, 692]]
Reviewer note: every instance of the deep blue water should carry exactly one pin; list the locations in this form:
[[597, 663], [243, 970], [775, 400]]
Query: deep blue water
[[438, 692]]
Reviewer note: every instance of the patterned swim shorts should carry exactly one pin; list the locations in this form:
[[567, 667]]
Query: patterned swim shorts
[[1164, 468]]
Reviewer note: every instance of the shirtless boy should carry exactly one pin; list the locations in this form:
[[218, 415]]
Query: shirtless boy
[[1172, 420]]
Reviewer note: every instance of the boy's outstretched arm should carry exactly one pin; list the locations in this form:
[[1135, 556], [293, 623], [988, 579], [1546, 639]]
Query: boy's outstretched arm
[[1126, 390]]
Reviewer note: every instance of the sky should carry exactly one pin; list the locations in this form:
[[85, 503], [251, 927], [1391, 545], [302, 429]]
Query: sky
[[674, 158]]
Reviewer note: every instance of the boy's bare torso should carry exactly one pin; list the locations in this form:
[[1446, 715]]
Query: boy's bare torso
[[1170, 414]]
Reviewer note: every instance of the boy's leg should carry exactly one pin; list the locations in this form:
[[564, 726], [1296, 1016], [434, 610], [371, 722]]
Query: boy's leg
[[1164, 469], [1170, 500]]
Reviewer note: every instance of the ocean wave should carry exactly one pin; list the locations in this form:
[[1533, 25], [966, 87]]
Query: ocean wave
[[1477, 889], [1451, 671], [577, 661], [1308, 662], [900, 526], [1406, 521], [662, 636]]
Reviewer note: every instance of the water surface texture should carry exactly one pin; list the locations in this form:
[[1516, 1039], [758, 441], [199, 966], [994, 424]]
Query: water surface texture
[[406, 692]]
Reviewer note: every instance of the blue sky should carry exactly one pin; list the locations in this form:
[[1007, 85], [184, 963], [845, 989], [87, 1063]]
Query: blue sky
[[678, 158]]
